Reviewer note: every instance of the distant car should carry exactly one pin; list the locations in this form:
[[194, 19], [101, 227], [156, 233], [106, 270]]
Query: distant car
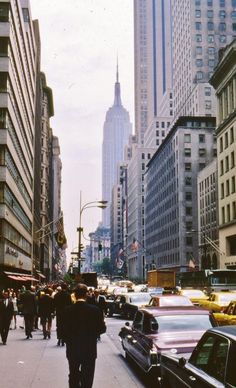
[[217, 301], [211, 364], [163, 329], [170, 300], [127, 304], [140, 288], [196, 296], [228, 316]]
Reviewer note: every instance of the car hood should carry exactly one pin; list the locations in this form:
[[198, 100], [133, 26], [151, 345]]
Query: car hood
[[177, 342]]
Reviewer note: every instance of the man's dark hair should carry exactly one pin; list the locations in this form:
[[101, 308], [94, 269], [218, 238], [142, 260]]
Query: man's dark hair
[[81, 291]]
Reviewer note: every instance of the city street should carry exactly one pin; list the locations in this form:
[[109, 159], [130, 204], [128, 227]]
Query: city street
[[41, 363]]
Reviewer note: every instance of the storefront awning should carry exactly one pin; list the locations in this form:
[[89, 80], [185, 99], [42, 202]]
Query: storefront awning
[[22, 277]]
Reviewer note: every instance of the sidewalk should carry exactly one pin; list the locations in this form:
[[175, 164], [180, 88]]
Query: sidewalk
[[38, 363]]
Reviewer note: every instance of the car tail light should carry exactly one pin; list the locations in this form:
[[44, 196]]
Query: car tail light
[[154, 357]]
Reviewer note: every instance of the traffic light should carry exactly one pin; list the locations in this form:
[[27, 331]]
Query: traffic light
[[99, 246], [81, 247]]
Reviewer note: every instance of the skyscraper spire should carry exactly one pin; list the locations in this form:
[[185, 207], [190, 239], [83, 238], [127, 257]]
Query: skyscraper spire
[[117, 100]]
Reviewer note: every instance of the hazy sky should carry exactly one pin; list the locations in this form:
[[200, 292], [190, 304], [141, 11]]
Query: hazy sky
[[80, 40]]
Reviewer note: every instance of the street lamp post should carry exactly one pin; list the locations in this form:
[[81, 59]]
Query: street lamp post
[[100, 204]]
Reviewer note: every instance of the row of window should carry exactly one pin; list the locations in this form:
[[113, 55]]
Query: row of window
[[227, 163], [211, 62], [226, 139], [162, 124], [201, 152], [210, 14], [228, 213], [227, 187], [210, 3], [201, 138], [211, 38]]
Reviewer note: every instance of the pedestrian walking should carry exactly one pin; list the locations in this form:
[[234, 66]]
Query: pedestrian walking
[[14, 300], [45, 311], [62, 299], [6, 314], [98, 300], [28, 311], [82, 324]]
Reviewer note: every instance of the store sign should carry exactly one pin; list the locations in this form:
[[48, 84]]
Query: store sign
[[12, 251]]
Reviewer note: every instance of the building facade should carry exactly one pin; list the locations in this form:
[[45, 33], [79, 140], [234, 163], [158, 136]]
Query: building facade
[[17, 113], [171, 193], [224, 82]]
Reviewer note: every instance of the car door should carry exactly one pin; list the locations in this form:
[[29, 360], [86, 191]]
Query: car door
[[207, 365], [134, 340], [145, 343]]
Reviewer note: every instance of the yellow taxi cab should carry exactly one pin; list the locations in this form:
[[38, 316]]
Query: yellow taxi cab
[[228, 316], [217, 301], [196, 296]]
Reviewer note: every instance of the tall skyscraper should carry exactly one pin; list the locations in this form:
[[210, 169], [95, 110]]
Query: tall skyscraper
[[153, 63], [200, 29], [116, 131]]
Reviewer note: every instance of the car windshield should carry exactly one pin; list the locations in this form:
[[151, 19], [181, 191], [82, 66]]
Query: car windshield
[[226, 297], [183, 322], [140, 298], [193, 293]]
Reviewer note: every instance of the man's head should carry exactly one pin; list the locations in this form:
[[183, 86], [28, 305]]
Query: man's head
[[81, 291]]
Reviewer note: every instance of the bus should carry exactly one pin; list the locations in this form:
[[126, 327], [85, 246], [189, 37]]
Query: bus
[[208, 280]]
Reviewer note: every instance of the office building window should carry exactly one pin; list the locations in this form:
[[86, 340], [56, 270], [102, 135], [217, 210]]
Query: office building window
[[189, 241], [210, 38], [234, 26], [157, 142], [222, 189], [198, 38], [188, 166], [233, 184], [208, 104], [232, 160], [234, 210], [222, 38], [226, 140], [198, 26], [221, 167], [187, 138], [210, 13], [223, 214], [228, 212], [226, 164], [199, 50], [188, 196], [4, 44], [3, 82], [233, 14], [222, 3], [233, 3], [211, 50], [202, 166], [211, 62], [3, 116], [227, 188], [209, 3], [199, 75], [197, 13], [162, 124], [231, 135], [222, 14], [222, 27], [210, 26], [188, 181], [199, 62], [202, 152], [188, 211], [201, 138], [187, 152], [163, 133], [207, 91], [157, 124], [4, 12]]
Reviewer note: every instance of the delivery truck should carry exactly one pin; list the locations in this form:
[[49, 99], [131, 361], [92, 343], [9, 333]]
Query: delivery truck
[[158, 278]]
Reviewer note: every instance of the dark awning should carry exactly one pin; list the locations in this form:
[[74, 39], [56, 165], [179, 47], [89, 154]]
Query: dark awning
[[41, 275]]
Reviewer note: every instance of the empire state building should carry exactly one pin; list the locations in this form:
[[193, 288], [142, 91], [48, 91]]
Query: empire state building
[[116, 131]]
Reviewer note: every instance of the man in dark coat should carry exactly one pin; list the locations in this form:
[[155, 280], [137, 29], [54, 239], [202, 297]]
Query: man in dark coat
[[29, 311], [82, 324], [6, 314], [62, 299]]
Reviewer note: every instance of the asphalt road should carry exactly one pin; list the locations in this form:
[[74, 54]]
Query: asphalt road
[[114, 325]]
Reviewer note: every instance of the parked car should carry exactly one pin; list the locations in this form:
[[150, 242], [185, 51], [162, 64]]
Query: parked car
[[196, 296], [163, 329], [170, 300], [211, 364], [217, 301], [228, 316], [127, 304]]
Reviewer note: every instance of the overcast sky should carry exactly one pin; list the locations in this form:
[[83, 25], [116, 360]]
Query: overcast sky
[[80, 40]]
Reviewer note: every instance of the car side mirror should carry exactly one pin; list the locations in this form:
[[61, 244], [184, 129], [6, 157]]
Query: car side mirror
[[154, 326], [182, 362], [127, 324]]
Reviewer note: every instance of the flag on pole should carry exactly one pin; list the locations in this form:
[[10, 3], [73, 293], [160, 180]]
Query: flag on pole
[[191, 264], [60, 234], [135, 245]]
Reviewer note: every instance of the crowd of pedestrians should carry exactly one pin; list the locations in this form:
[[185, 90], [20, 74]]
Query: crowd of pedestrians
[[39, 305]]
